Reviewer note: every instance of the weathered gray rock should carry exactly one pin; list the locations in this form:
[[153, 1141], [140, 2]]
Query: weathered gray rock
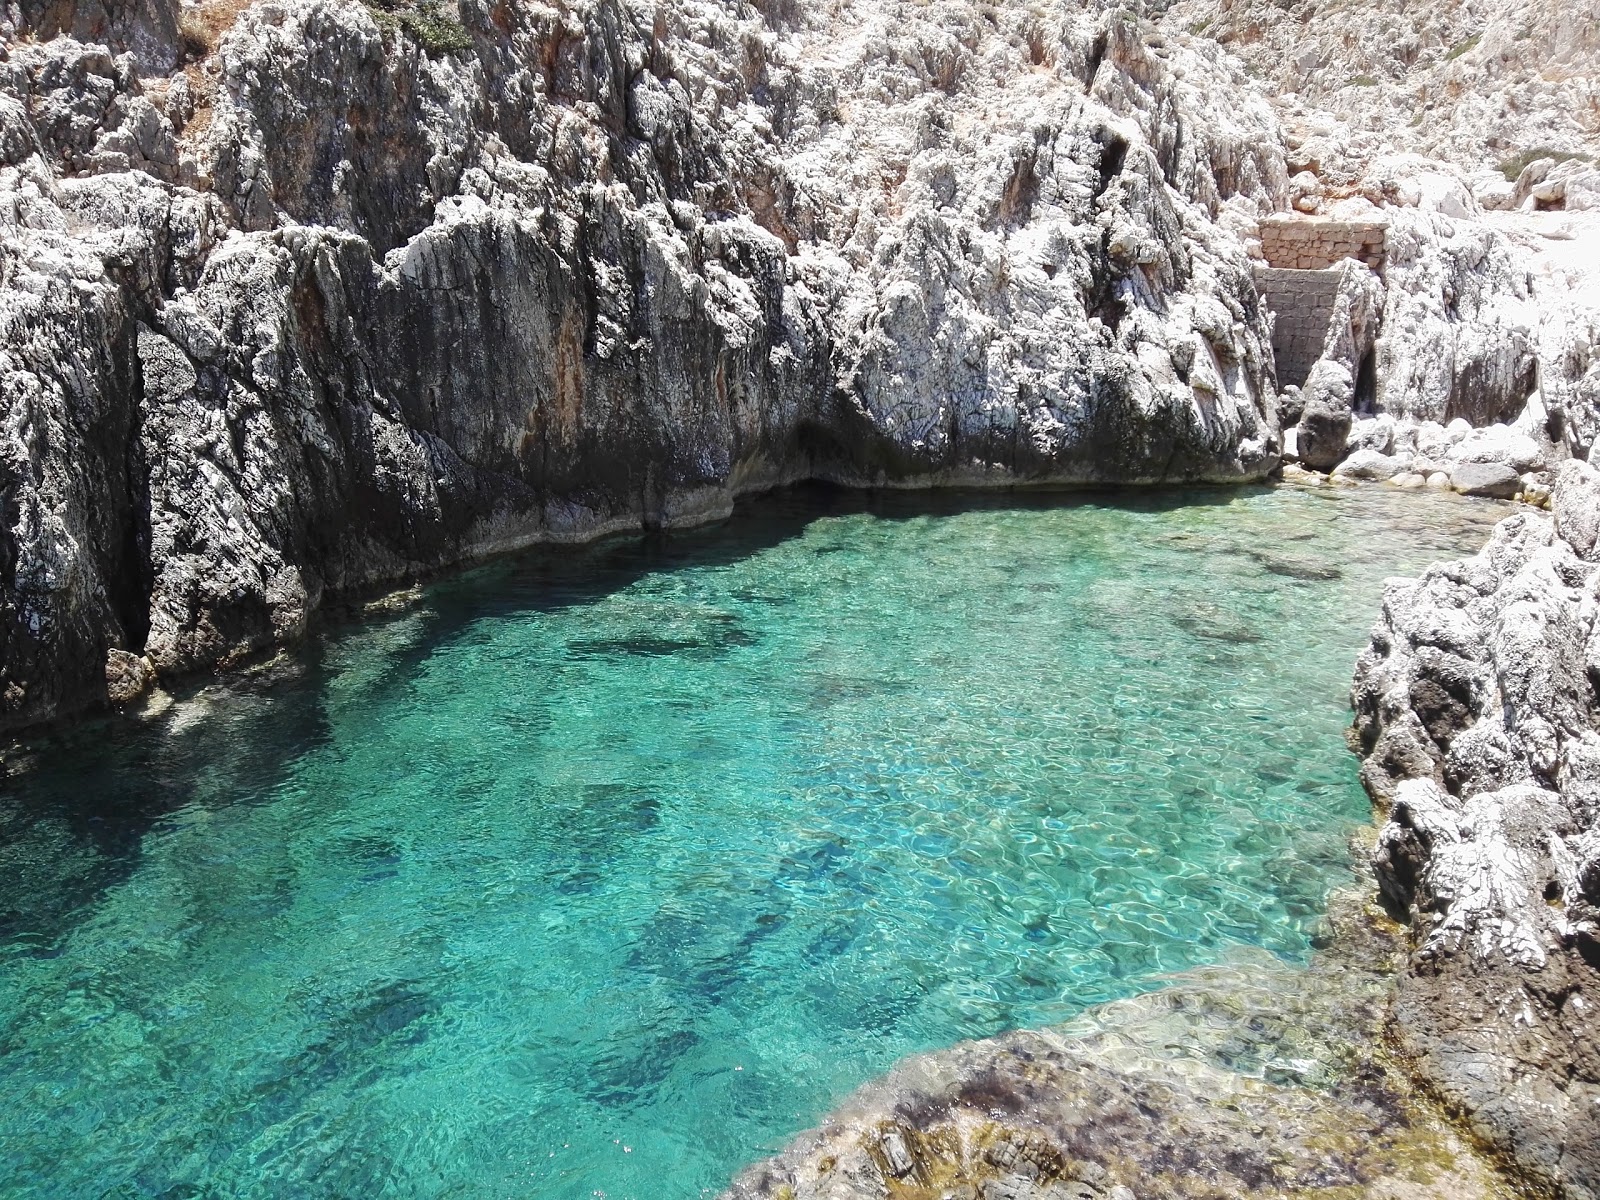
[[1372, 433], [1496, 480], [1477, 717], [1372, 465], [1460, 82], [332, 309], [1459, 323]]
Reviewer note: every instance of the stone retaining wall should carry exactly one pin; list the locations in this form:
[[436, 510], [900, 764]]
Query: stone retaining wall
[[1302, 306], [1316, 243]]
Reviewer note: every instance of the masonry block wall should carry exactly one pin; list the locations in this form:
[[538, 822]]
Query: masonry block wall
[[1314, 243], [1302, 307]]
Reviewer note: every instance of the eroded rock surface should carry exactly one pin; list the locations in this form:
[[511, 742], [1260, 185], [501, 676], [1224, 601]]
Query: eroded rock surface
[[1476, 83], [1477, 715], [348, 298], [1251, 1079]]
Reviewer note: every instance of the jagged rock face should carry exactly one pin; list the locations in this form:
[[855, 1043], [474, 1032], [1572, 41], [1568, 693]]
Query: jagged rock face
[[1477, 714], [329, 309], [147, 29], [1438, 113], [1460, 323], [1475, 82]]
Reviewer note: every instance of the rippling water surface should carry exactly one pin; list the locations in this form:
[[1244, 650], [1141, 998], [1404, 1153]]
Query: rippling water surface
[[598, 873]]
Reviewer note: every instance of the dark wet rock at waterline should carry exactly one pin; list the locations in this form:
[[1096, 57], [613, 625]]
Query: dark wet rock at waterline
[[1322, 433]]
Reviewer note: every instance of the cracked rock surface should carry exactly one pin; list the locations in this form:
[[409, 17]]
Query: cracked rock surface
[[1478, 722], [319, 308]]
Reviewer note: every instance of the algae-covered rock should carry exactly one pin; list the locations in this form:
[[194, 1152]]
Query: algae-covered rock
[[1249, 1079]]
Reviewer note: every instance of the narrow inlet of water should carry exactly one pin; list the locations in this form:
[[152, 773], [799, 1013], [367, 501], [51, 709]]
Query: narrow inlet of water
[[599, 873]]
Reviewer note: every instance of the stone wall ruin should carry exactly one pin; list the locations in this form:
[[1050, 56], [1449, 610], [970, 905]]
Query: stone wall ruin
[[1301, 243]]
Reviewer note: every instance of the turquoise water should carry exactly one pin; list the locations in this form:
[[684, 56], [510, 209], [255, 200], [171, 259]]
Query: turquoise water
[[599, 873]]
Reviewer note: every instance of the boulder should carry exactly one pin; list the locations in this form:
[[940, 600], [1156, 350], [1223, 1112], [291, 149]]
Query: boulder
[[1372, 433], [1575, 499], [1501, 444], [128, 676], [1433, 441], [1322, 435], [1371, 465], [1494, 193], [1492, 479]]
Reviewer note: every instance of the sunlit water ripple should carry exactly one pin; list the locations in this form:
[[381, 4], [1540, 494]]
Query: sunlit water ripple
[[601, 872]]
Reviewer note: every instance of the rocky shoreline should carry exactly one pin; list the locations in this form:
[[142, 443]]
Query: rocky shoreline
[[306, 298], [1247, 1079], [1476, 717]]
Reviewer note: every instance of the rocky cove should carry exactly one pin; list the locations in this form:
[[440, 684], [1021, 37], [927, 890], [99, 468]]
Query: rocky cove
[[615, 867], [303, 301]]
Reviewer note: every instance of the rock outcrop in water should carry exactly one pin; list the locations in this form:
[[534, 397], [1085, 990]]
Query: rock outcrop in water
[[1477, 715], [1250, 1080], [363, 293]]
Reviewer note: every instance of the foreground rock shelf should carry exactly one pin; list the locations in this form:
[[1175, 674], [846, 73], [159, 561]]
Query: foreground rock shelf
[[1248, 1079], [1476, 720]]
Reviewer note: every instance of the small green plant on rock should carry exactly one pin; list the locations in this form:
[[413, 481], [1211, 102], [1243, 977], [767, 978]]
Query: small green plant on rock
[[432, 24], [1462, 47], [1363, 81], [1512, 168]]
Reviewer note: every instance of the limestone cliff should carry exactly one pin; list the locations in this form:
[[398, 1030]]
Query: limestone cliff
[[1476, 83], [1477, 715], [313, 297], [307, 297]]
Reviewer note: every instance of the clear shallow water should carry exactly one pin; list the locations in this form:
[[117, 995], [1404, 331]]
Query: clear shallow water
[[601, 873]]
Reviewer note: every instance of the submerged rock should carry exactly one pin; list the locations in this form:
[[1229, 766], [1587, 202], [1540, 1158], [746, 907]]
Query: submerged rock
[[1250, 1079]]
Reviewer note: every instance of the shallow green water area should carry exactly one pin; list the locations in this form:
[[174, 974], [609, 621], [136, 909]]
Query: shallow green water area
[[600, 872]]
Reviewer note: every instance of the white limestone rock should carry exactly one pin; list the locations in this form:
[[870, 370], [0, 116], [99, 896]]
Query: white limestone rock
[[373, 309], [1476, 717], [1372, 465]]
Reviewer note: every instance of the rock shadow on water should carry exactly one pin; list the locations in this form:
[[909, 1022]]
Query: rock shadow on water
[[78, 803], [714, 642]]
